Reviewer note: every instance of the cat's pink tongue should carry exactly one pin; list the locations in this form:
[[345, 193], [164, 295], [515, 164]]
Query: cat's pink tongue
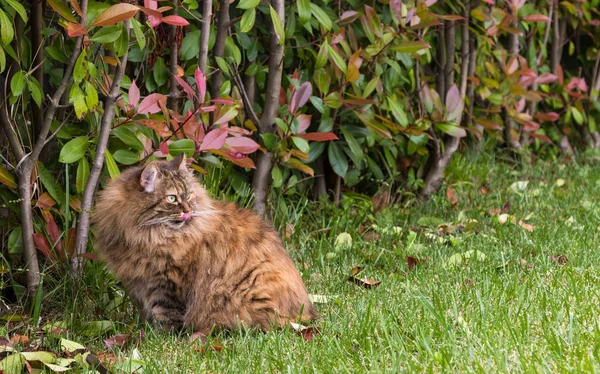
[[185, 217]]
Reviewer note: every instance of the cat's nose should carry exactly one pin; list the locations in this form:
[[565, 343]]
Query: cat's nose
[[185, 207]]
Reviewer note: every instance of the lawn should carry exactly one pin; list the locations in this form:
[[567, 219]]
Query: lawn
[[488, 290]]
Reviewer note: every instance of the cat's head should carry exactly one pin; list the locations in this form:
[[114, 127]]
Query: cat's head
[[168, 194]]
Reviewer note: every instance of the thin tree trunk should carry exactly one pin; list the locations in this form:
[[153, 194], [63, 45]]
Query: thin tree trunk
[[320, 188], [262, 176], [510, 125], [204, 36], [37, 48], [27, 161], [173, 100], [83, 226], [441, 58], [594, 96], [219, 48], [439, 159]]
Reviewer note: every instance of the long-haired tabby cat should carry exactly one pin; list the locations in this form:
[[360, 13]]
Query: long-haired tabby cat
[[190, 261]]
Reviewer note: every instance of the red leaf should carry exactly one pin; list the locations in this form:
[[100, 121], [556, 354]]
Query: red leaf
[[488, 123], [19, 340], [154, 16], [396, 6], [75, 29], [116, 13], [54, 233], [541, 137], [151, 103], [215, 139], [242, 144], [164, 148], [186, 87], [318, 136], [175, 20], [245, 162], [88, 256], [200, 83], [71, 241], [134, 95], [157, 125], [551, 116], [223, 101], [537, 18], [546, 78], [42, 244], [303, 122], [349, 16], [45, 202], [229, 114], [300, 97], [282, 97]]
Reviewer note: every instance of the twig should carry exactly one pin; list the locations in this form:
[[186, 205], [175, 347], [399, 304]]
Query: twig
[[88, 194], [247, 104], [204, 36]]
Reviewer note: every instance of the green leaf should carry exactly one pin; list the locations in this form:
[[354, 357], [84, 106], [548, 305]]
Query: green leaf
[[321, 16], [80, 69], [126, 157], [277, 25], [126, 136], [2, 60], [83, 173], [410, 46], [375, 169], [18, 8], [96, 328], [6, 28], [397, 110], [111, 165], [355, 148], [107, 34], [338, 160], [248, 19], [277, 176], [160, 72], [35, 89], [70, 346], [91, 96], [139, 34], [73, 150], [77, 97], [17, 83], [270, 141], [13, 364], [577, 115], [304, 11], [301, 144], [182, 146], [190, 47], [49, 182], [7, 178], [451, 129], [15, 241], [248, 4], [41, 356], [63, 9], [222, 65], [337, 59]]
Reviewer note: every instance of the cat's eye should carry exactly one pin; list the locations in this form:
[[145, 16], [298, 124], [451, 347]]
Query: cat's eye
[[171, 198]]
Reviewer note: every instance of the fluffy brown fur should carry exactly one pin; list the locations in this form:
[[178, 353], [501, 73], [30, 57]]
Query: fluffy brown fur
[[190, 261]]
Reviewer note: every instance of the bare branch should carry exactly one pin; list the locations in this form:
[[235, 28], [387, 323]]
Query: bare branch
[[172, 99], [219, 48], [245, 98]]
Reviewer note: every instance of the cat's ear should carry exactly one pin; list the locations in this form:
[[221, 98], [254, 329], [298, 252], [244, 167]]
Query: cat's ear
[[179, 163], [149, 177]]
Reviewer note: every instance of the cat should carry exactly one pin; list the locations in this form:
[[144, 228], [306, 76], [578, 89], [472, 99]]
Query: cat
[[189, 261]]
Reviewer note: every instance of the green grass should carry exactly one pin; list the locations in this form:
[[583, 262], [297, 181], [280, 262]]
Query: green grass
[[518, 310]]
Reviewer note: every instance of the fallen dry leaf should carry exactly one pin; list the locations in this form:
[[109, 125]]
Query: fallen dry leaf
[[506, 207], [525, 265], [117, 341], [289, 230], [356, 270], [412, 262], [307, 332], [19, 339], [363, 282], [100, 359], [494, 212], [212, 347], [381, 199], [371, 236], [526, 226], [484, 190], [451, 196], [559, 259]]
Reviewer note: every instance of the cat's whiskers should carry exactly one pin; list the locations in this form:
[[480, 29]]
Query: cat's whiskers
[[159, 220], [204, 213]]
